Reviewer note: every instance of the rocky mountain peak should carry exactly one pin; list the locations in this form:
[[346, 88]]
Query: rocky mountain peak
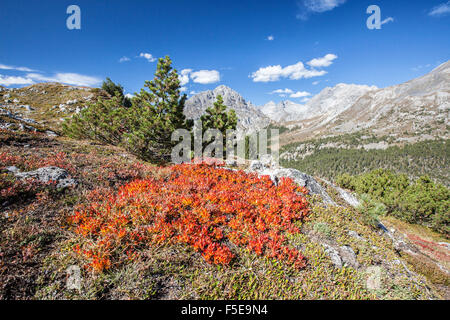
[[444, 67], [224, 89], [283, 111], [249, 117]]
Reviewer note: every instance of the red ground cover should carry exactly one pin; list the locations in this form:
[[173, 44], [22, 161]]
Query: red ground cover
[[208, 208]]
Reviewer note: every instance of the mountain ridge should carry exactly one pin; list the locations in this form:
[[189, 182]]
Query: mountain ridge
[[417, 107], [250, 118]]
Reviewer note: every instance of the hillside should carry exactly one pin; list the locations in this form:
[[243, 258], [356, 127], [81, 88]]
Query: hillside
[[43, 106], [139, 231], [345, 259], [404, 128]]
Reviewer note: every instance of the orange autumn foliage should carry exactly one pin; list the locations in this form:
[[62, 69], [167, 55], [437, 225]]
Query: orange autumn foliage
[[203, 206]]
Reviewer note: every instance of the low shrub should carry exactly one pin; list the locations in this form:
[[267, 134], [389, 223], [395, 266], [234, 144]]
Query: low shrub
[[421, 201], [371, 210], [210, 209]]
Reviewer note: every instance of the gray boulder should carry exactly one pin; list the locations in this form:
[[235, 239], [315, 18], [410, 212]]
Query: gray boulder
[[341, 256], [302, 179], [27, 107], [355, 235], [348, 256], [374, 278], [50, 133], [12, 169], [346, 196], [47, 174], [231, 162], [256, 165], [334, 255]]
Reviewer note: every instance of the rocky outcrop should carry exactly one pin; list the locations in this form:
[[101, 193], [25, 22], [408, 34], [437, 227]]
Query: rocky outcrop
[[348, 256], [374, 277], [342, 256], [334, 256], [47, 174], [302, 179], [346, 196]]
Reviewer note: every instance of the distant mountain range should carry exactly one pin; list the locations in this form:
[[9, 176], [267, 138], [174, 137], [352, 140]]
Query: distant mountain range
[[329, 102], [419, 106]]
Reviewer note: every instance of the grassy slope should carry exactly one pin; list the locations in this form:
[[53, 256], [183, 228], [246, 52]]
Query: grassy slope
[[43, 97], [36, 244]]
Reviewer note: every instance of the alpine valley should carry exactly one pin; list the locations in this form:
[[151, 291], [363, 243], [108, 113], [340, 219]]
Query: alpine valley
[[368, 166]]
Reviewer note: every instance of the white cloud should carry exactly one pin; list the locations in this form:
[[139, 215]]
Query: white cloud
[[192, 92], [67, 78], [12, 80], [304, 100], [25, 69], [387, 20], [419, 67], [322, 5], [323, 62], [270, 38], [300, 94], [282, 91], [294, 72], [316, 6], [184, 76], [129, 95], [201, 76], [440, 10], [124, 59], [183, 89], [315, 83], [205, 76], [33, 76], [147, 56]]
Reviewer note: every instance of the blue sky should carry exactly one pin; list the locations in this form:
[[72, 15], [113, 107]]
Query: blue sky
[[255, 47]]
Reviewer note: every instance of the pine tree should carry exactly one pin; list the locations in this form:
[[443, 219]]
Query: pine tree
[[103, 121], [114, 89], [156, 113], [218, 118]]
